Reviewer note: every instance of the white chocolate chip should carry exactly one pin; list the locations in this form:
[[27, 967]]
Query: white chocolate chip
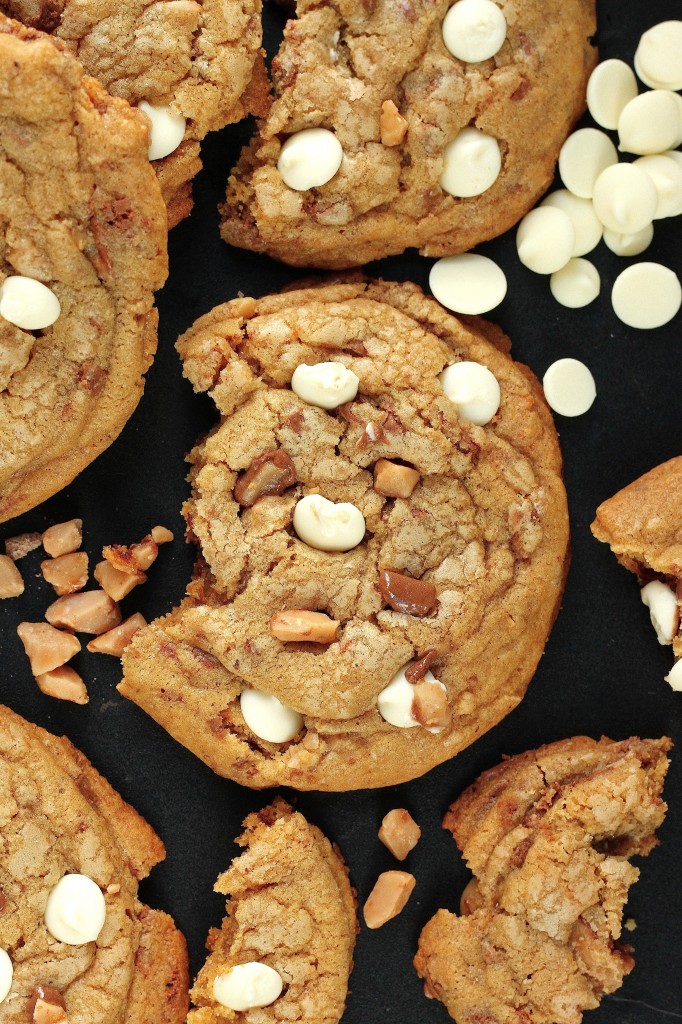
[[6, 974], [75, 910], [646, 295], [586, 224], [569, 387], [395, 701], [650, 123], [663, 609], [474, 30], [545, 240], [611, 86], [248, 986], [666, 175], [625, 199], [309, 158], [268, 718], [471, 163], [327, 385], [473, 389], [629, 245], [468, 283], [658, 58], [328, 525], [575, 285], [167, 129], [583, 157], [674, 676], [28, 304]]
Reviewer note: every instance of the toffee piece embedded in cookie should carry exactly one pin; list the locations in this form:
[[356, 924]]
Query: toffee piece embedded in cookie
[[547, 835], [344, 629], [75, 934], [82, 219], [393, 127]]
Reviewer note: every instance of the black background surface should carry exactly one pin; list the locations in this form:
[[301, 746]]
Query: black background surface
[[602, 672]]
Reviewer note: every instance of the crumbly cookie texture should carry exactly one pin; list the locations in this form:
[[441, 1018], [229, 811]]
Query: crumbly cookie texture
[[290, 907], [341, 63], [547, 835], [59, 816], [486, 526], [202, 57], [81, 211], [643, 527]]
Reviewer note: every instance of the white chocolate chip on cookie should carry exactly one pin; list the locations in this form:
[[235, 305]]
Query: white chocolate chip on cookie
[[75, 910], [663, 609], [28, 304], [473, 389], [395, 702], [167, 129], [326, 385], [6, 974], [474, 30], [328, 525], [309, 158], [248, 986], [471, 163], [468, 283], [268, 718]]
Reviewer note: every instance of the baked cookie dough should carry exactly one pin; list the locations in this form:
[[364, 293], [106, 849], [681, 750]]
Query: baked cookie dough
[[80, 213], [287, 942], [462, 575], [200, 58], [418, 147], [547, 835], [61, 821]]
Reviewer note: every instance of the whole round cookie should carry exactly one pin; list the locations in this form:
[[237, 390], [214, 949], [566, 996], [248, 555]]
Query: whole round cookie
[[343, 545], [201, 61], [415, 123], [77, 938], [83, 235]]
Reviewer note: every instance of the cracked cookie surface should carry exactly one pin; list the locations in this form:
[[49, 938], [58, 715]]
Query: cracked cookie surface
[[547, 835], [59, 816], [486, 526], [290, 907], [341, 61], [80, 211]]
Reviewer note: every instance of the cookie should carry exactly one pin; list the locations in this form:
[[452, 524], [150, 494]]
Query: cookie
[[290, 927], [201, 59], [547, 835], [82, 214], [62, 821], [276, 670], [418, 147]]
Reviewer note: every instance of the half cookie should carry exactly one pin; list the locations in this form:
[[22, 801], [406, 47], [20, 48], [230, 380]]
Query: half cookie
[[383, 545], [412, 143], [643, 526], [83, 232], [197, 61], [547, 835], [72, 854], [287, 942]]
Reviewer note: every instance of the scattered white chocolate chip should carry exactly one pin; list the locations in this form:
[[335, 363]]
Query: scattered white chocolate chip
[[577, 284], [75, 910], [569, 387], [586, 224], [666, 175], [471, 163], [247, 986], [583, 157], [474, 30], [611, 86], [28, 304], [629, 244], [6, 974], [309, 158], [663, 609], [625, 198], [395, 701], [646, 295], [545, 240], [326, 385], [468, 283], [167, 129], [328, 525], [473, 389], [268, 718], [658, 58], [674, 676], [650, 123]]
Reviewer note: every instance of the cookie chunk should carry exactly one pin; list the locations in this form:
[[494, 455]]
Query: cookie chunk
[[547, 835], [287, 942], [418, 147], [62, 821], [84, 228], [200, 58], [342, 548]]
